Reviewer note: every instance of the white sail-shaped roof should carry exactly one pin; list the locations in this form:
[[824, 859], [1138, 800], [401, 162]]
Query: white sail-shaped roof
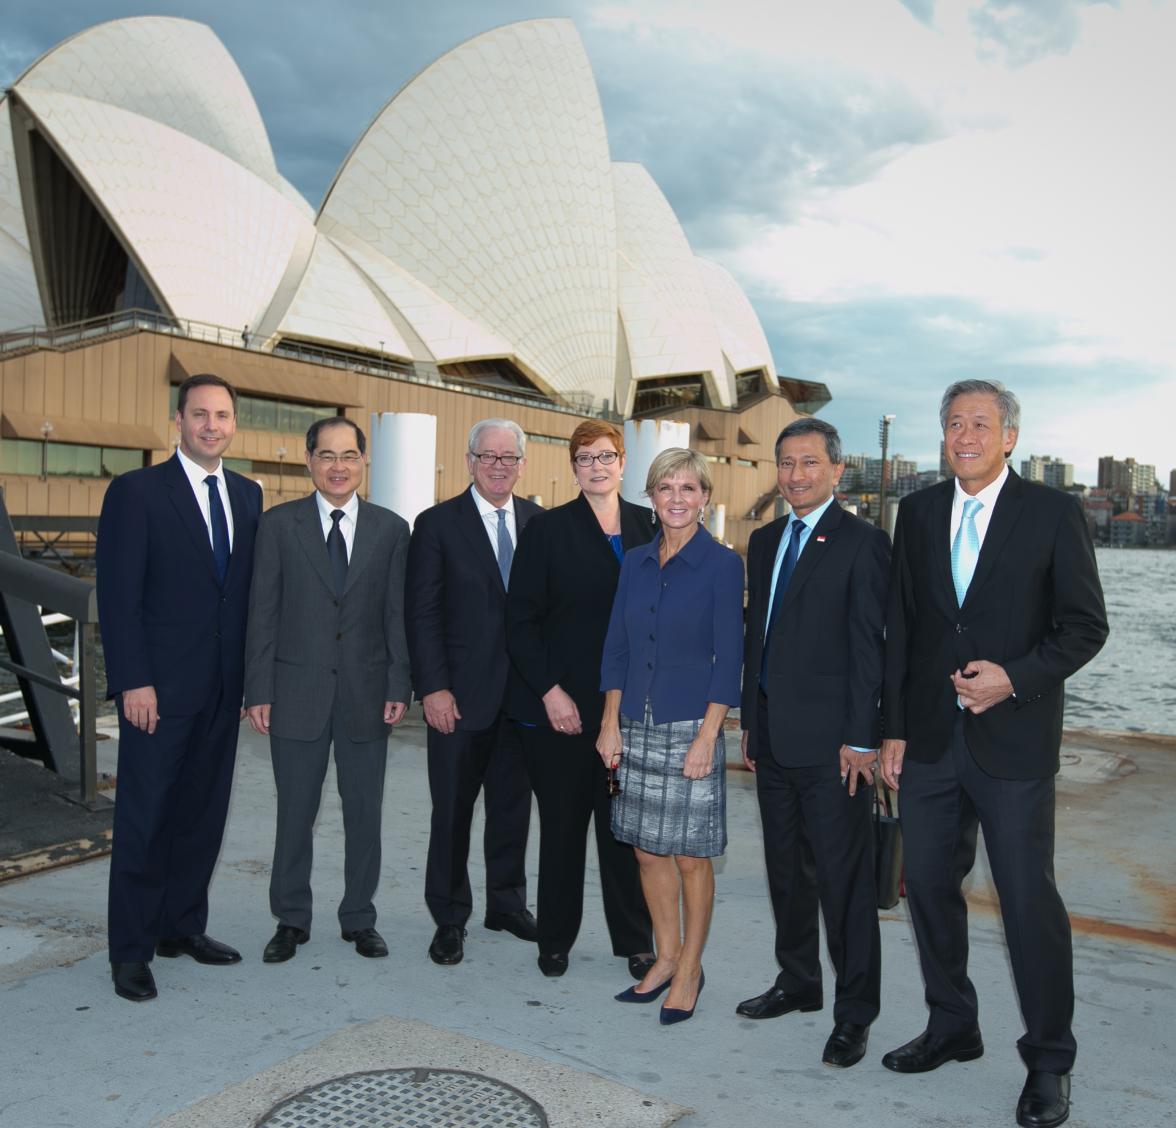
[[487, 179], [20, 303], [740, 333], [664, 306]]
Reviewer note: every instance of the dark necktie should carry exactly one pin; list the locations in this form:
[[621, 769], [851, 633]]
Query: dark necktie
[[220, 528], [337, 551], [505, 548], [787, 567]]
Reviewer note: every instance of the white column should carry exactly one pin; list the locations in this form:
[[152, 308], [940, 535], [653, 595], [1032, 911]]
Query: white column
[[403, 472], [716, 523], [645, 439]]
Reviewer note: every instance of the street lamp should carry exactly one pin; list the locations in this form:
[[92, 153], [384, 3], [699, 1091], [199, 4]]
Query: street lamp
[[46, 431], [884, 437], [281, 453]]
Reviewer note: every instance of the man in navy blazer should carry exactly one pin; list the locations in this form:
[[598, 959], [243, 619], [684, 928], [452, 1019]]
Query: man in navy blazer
[[174, 557], [994, 601], [458, 570], [812, 680]]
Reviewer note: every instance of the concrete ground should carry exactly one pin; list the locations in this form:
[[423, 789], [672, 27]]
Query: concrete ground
[[222, 1045]]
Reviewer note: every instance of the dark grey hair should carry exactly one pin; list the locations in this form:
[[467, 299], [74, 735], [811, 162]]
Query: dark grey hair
[[810, 426], [1006, 401], [497, 424], [678, 460], [320, 425]]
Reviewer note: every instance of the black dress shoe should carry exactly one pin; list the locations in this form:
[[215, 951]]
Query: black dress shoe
[[521, 924], [846, 1045], [368, 942], [201, 947], [133, 981], [284, 944], [553, 964], [929, 1051], [775, 1001], [1045, 1100], [640, 964], [447, 947]]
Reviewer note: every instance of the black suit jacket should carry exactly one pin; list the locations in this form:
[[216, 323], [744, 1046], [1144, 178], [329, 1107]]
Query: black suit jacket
[[825, 656], [165, 619], [456, 608], [562, 585], [1034, 606]]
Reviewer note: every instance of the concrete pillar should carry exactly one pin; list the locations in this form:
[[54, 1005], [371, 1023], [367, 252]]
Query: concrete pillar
[[645, 439], [403, 473]]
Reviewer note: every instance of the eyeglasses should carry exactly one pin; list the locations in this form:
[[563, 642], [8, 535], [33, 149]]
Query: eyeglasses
[[329, 457], [614, 784], [488, 459], [605, 458]]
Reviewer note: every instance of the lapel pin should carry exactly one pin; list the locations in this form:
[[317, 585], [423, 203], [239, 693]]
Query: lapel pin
[[821, 539]]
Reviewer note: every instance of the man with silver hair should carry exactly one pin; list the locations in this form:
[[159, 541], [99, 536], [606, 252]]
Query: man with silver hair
[[994, 601], [459, 563]]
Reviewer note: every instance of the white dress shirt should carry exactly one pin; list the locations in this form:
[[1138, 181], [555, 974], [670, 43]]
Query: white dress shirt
[[196, 475], [346, 522], [987, 498], [489, 515]]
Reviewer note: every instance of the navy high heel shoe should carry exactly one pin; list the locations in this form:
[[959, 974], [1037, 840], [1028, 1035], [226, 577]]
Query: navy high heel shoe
[[632, 995], [670, 1015]]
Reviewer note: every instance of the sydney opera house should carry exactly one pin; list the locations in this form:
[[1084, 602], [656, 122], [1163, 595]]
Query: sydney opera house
[[478, 253]]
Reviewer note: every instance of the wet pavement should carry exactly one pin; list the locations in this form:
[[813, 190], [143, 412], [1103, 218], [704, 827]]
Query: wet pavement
[[221, 1046]]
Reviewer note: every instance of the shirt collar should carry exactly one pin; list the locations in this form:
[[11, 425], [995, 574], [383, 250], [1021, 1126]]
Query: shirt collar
[[325, 508], [196, 473], [810, 519], [485, 509], [987, 496]]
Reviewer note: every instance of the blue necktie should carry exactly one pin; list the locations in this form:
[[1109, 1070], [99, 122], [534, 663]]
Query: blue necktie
[[220, 528], [787, 567], [505, 548], [965, 549], [337, 551]]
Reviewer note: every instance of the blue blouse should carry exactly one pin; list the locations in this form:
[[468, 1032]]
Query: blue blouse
[[617, 545], [675, 636]]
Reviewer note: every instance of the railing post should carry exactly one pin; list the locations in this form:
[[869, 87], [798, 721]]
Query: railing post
[[87, 716]]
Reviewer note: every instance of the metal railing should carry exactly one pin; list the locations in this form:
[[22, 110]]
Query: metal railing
[[76, 599]]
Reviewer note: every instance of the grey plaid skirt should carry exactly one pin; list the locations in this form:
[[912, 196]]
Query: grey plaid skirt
[[659, 809]]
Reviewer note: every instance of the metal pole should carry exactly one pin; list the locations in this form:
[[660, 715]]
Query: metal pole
[[884, 435], [87, 717]]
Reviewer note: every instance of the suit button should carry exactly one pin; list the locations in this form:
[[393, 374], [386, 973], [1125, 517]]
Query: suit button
[[653, 610], [338, 636], [649, 665], [652, 639], [333, 670], [959, 629]]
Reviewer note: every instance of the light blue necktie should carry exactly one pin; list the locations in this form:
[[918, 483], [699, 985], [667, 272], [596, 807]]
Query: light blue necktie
[[965, 549], [505, 548]]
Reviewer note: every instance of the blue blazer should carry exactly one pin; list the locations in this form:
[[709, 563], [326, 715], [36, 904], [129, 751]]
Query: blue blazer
[[675, 636], [164, 618]]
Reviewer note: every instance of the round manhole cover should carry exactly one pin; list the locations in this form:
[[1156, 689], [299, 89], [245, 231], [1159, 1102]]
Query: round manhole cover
[[408, 1098]]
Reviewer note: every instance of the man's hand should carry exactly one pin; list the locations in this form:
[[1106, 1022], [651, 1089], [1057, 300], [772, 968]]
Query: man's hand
[[892, 756], [441, 711], [259, 718], [141, 708], [855, 765], [394, 712], [562, 713], [980, 685], [744, 744]]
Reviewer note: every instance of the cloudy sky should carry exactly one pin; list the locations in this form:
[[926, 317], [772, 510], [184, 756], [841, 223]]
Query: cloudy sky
[[911, 191]]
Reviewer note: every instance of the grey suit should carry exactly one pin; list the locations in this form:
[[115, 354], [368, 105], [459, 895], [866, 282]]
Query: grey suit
[[326, 664]]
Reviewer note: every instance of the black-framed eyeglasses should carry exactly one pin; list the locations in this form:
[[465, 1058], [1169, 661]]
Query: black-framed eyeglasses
[[329, 457], [614, 783], [604, 457], [507, 460]]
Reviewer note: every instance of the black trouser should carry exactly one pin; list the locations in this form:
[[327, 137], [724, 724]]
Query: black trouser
[[570, 784], [941, 806], [461, 764], [819, 849]]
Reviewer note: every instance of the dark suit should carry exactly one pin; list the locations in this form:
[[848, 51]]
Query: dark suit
[[168, 622], [326, 664], [1035, 607], [456, 620], [821, 691], [562, 585]]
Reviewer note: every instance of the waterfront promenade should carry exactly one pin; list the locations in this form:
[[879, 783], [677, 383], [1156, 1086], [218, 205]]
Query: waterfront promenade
[[221, 1046]]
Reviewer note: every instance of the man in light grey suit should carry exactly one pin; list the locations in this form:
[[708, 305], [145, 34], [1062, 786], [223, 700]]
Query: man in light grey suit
[[326, 663]]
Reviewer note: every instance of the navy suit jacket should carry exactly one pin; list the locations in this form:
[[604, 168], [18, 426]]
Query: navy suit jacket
[[825, 658], [456, 608], [1034, 606], [164, 617]]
